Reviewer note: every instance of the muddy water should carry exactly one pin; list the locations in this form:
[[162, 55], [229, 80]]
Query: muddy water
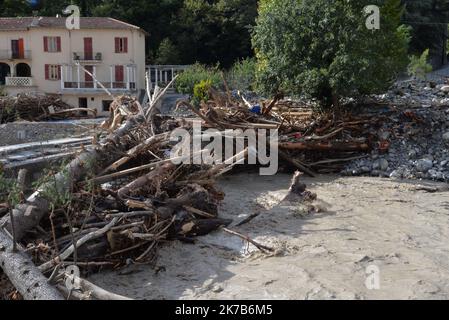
[[365, 224]]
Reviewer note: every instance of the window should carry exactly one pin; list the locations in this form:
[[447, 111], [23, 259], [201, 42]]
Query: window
[[52, 44], [121, 45], [106, 105], [52, 72]]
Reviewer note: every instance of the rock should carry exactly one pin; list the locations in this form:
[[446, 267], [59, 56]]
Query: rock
[[424, 165], [446, 137], [365, 169], [383, 164], [396, 174], [384, 135], [445, 88], [435, 174], [380, 165]]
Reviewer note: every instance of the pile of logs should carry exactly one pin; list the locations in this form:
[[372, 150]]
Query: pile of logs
[[31, 107], [120, 198]]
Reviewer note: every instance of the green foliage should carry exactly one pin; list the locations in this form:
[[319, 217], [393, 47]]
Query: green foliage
[[201, 91], [2, 91], [323, 49], [9, 190], [55, 191], [419, 66], [194, 75], [428, 21], [242, 74], [211, 31], [167, 53]]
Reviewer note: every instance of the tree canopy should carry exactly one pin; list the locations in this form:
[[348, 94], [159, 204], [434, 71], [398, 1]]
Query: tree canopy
[[207, 31], [323, 49], [217, 31]]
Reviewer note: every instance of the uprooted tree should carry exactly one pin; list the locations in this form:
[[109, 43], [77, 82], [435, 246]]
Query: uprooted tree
[[323, 49]]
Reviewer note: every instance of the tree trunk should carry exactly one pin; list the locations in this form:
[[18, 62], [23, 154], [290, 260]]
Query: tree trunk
[[28, 215], [24, 275]]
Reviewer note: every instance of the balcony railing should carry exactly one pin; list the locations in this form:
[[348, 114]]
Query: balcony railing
[[9, 54], [83, 56], [71, 85], [19, 81]]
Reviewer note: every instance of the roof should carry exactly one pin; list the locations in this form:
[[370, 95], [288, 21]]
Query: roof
[[25, 23]]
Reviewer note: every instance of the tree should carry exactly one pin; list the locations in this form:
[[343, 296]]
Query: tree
[[215, 31], [13, 8], [323, 49], [428, 19], [167, 53]]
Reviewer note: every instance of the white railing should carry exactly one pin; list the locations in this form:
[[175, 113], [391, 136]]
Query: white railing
[[9, 54], [19, 81], [161, 75], [92, 86]]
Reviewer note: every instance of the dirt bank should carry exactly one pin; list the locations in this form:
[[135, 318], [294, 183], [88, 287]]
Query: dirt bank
[[365, 221]]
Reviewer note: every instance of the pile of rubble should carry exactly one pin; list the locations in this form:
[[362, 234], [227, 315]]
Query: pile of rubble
[[414, 135]]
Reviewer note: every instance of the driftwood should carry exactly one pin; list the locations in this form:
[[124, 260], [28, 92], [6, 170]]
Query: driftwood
[[117, 216], [67, 253], [28, 215], [24, 275]]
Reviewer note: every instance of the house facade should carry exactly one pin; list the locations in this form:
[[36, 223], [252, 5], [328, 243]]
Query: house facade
[[39, 54]]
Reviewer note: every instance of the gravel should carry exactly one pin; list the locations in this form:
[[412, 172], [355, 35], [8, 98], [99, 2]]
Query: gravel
[[417, 131]]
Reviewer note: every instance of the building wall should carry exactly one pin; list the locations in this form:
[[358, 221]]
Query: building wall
[[73, 41]]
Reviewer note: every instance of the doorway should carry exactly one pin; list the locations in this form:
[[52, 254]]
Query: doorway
[[82, 103], [88, 49], [5, 71], [23, 70], [17, 49]]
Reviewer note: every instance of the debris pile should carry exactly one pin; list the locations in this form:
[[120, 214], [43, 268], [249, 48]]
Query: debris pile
[[31, 107], [414, 135], [121, 197]]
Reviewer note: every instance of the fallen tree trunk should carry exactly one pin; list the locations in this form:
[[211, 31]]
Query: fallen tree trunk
[[23, 274], [29, 214], [26, 277]]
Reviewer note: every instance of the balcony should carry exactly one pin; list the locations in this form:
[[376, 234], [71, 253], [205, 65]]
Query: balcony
[[87, 57], [11, 55], [19, 81], [92, 86]]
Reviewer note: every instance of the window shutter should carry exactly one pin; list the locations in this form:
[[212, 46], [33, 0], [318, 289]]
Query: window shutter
[[125, 45], [117, 45], [118, 73], [58, 44], [47, 72], [59, 72], [45, 44]]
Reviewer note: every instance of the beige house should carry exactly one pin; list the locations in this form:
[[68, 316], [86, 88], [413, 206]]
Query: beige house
[[39, 54]]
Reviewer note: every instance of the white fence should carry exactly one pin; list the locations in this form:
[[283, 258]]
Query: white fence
[[19, 81], [161, 75]]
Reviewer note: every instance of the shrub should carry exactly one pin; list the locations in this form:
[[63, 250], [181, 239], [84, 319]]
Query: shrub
[[187, 80], [322, 49], [419, 66], [242, 74], [201, 91]]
